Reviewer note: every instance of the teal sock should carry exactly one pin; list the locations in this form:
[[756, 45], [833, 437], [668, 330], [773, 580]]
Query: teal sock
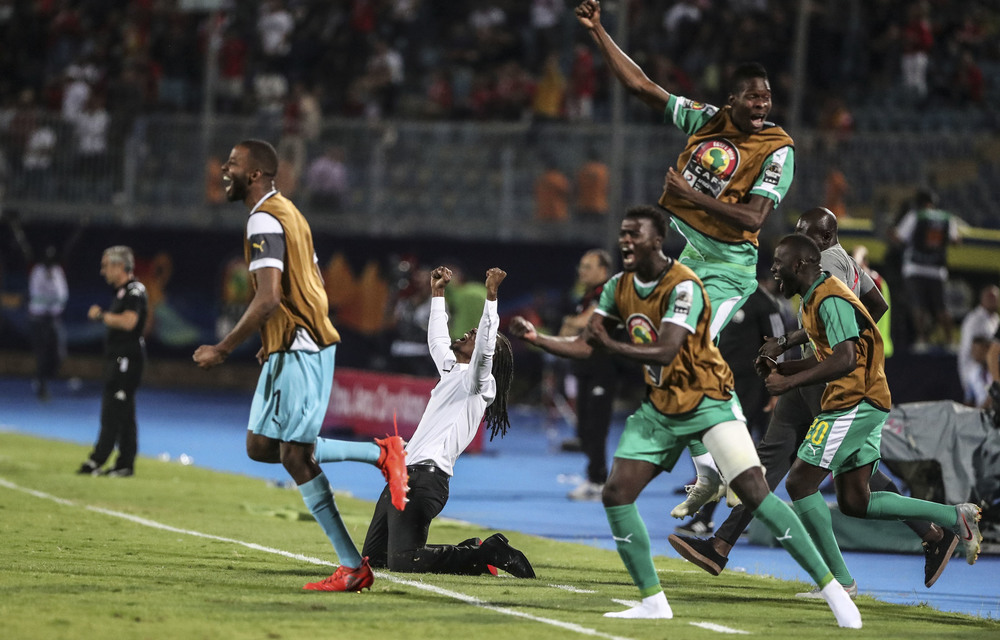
[[632, 540], [696, 447], [318, 497], [780, 520], [345, 450], [884, 505], [815, 516]]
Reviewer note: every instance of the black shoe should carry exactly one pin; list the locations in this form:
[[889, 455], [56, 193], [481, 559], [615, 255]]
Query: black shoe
[[89, 468], [699, 552], [471, 542], [119, 472], [936, 556], [500, 554]]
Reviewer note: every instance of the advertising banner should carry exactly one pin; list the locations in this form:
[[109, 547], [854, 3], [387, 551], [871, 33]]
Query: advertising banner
[[364, 403]]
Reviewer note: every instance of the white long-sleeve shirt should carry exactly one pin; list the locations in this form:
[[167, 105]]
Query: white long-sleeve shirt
[[458, 402], [47, 290]]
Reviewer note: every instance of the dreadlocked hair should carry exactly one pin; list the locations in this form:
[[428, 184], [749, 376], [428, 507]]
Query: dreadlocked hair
[[503, 372]]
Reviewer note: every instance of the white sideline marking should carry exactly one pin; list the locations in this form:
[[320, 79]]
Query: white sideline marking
[[571, 589], [626, 603], [711, 626], [472, 600]]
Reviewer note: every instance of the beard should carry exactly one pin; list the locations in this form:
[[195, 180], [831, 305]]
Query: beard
[[237, 191]]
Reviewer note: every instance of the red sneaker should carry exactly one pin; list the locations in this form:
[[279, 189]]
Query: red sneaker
[[392, 463], [346, 579]]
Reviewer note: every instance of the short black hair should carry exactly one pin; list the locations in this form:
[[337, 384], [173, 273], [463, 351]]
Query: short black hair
[[745, 73], [803, 246], [925, 198], [651, 213], [262, 156]]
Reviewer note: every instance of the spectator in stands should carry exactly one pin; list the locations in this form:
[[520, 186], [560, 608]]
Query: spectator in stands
[[837, 188], [385, 74], [918, 40], [439, 100], [978, 327], [233, 64], [76, 91], [549, 101], [275, 27], [544, 39], [552, 191], [175, 52], [968, 81], [582, 85], [327, 180], [925, 232], [592, 187], [92, 128]]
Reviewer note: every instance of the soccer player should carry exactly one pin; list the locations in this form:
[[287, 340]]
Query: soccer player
[[476, 371], [794, 412], [666, 312], [844, 438], [298, 343], [734, 171]]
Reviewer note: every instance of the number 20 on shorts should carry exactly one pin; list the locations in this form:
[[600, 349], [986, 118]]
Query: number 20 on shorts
[[817, 432]]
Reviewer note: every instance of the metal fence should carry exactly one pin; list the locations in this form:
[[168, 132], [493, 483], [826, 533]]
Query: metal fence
[[452, 180]]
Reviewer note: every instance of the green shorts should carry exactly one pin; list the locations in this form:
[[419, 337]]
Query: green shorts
[[844, 440], [728, 287], [660, 439]]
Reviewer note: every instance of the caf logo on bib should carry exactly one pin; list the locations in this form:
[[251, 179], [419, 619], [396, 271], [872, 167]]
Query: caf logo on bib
[[718, 157], [641, 329], [711, 166]]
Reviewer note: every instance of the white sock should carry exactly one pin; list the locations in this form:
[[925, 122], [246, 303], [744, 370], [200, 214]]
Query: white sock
[[844, 609], [655, 606], [704, 465]]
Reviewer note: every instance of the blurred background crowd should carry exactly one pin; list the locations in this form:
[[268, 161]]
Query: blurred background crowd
[[417, 132], [491, 60]]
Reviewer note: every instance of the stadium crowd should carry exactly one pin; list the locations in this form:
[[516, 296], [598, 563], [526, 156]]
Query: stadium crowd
[[496, 60]]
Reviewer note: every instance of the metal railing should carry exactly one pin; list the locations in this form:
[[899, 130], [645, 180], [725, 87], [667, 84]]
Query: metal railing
[[448, 179]]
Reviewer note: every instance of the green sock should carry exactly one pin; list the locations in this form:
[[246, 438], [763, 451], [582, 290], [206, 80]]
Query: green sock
[[632, 539], [815, 516], [789, 531], [696, 447], [884, 505], [328, 450]]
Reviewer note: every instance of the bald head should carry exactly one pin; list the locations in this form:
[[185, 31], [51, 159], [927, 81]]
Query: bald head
[[820, 226]]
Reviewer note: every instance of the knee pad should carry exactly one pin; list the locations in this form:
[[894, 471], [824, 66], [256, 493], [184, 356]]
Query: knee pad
[[732, 448]]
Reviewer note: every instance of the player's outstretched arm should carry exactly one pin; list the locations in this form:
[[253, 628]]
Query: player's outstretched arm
[[588, 13], [563, 346], [494, 277]]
